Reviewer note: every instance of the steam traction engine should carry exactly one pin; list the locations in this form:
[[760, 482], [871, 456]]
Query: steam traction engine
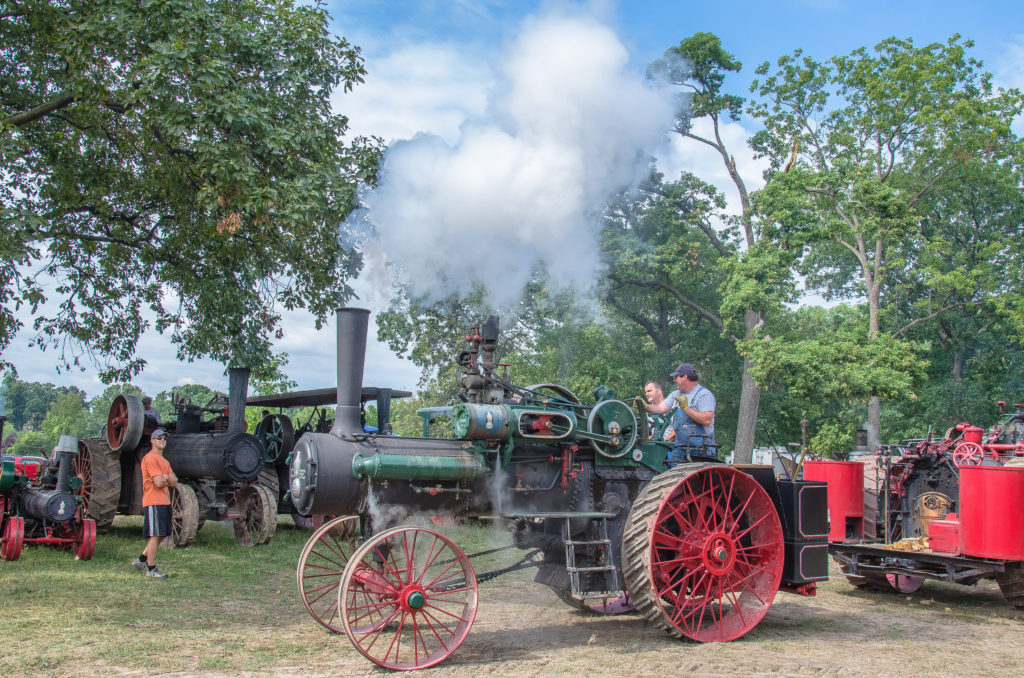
[[949, 509], [41, 503], [216, 461], [699, 549]]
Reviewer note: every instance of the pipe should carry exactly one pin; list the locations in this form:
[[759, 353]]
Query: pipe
[[238, 388], [352, 324]]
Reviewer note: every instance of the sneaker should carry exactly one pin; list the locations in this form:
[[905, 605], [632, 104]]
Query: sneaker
[[155, 573], [139, 565]]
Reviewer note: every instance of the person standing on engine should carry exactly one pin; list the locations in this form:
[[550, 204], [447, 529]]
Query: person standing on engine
[[149, 411], [656, 422], [693, 414], [157, 479]]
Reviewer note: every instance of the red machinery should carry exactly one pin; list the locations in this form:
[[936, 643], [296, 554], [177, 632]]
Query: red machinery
[[41, 503], [948, 510]]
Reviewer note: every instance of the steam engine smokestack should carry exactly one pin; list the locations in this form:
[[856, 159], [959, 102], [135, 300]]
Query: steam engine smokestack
[[352, 324], [238, 388]]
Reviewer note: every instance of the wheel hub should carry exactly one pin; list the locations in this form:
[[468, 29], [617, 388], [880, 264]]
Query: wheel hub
[[719, 553], [413, 598]]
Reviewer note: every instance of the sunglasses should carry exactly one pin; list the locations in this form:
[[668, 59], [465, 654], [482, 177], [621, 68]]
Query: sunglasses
[[160, 438]]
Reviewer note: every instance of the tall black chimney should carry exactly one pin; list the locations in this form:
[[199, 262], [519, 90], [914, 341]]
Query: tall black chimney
[[352, 324], [238, 389]]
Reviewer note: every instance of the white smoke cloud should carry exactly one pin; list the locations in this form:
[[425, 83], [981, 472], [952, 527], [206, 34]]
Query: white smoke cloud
[[567, 125]]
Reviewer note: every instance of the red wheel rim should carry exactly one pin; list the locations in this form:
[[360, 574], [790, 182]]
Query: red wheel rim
[[83, 470], [904, 583], [14, 536], [321, 565], [408, 598], [968, 454], [85, 539], [716, 554]]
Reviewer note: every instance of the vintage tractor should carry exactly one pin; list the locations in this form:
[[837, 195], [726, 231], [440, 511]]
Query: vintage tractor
[[950, 509], [41, 503], [699, 549], [217, 463], [278, 433]]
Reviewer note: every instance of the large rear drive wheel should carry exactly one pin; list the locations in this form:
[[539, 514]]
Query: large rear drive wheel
[[99, 469], [1011, 583], [321, 565], [703, 552], [408, 598]]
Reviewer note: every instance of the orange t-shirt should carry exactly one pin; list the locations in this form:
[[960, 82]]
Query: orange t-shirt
[[154, 464]]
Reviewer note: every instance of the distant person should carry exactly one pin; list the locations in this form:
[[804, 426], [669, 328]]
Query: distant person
[[157, 478], [149, 411], [693, 413]]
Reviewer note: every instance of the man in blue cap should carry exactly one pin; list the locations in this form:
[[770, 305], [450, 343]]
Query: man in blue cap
[[693, 414]]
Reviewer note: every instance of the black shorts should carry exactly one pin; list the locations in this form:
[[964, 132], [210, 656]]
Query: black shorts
[[156, 520]]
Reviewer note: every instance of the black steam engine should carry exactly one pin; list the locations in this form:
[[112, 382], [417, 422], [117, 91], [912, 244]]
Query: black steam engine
[[699, 549], [217, 463]]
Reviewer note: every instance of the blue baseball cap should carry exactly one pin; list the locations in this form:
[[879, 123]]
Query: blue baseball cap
[[159, 433]]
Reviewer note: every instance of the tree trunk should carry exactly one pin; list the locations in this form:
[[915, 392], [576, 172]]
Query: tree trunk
[[874, 327], [750, 401], [746, 426]]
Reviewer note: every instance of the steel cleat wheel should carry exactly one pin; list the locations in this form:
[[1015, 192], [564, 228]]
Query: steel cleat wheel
[[408, 598], [703, 552], [321, 565]]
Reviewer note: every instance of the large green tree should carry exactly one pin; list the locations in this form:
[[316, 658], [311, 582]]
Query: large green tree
[[700, 65], [871, 141], [175, 156]]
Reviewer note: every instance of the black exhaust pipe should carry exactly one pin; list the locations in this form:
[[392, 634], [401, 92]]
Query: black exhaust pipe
[[238, 389], [352, 324]]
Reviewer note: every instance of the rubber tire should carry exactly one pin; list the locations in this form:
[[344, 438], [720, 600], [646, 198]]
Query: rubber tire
[[106, 482]]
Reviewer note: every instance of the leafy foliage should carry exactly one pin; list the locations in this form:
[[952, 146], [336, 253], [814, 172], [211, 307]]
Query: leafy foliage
[[179, 156]]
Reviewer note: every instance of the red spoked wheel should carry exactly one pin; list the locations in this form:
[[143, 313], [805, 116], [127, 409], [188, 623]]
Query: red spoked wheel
[[408, 598], [321, 565], [703, 552], [85, 539], [125, 420], [13, 538], [968, 454]]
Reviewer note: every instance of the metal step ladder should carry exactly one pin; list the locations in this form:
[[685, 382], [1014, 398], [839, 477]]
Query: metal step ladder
[[613, 578]]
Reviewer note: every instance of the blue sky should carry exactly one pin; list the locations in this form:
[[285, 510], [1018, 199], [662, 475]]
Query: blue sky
[[433, 64]]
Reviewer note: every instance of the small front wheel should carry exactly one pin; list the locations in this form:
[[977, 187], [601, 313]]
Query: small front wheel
[[408, 598]]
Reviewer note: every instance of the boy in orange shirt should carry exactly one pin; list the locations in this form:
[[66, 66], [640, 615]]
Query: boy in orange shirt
[[157, 477]]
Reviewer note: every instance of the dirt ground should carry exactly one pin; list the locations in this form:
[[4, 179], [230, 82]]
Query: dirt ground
[[523, 630]]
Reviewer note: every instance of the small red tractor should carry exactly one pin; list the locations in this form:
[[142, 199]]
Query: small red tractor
[[949, 509], [41, 503]]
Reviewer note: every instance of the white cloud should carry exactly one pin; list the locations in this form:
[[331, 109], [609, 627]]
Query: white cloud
[[688, 155]]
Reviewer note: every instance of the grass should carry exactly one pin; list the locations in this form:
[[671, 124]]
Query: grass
[[224, 607]]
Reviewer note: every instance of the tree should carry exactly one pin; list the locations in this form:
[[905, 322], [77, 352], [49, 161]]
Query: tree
[[66, 417], [175, 156], [700, 64], [28, 402], [868, 140]]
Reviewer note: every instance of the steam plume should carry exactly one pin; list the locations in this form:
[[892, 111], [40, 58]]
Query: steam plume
[[567, 125]]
